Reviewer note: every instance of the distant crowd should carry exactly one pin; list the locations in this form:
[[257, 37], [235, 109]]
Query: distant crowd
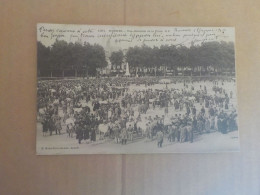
[[126, 109]]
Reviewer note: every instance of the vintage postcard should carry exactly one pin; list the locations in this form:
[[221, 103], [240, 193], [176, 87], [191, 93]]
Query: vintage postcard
[[135, 89]]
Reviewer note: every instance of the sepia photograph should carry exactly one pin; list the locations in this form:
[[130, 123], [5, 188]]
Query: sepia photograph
[[135, 89]]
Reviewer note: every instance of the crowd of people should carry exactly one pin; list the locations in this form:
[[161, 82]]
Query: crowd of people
[[126, 109]]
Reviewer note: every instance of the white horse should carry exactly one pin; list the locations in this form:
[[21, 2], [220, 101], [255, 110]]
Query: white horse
[[70, 130]]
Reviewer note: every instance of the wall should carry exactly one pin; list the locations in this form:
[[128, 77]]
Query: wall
[[22, 172]]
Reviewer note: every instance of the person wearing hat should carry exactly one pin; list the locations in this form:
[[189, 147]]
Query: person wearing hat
[[116, 130], [45, 126], [175, 133], [93, 134], [79, 133], [159, 136], [189, 133], [148, 130], [51, 122], [166, 111], [207, 125], [183, 133], [203, 110], [170, 136], [58, 124], [124, 136], [194, 111], [86, 131], [130, 132]]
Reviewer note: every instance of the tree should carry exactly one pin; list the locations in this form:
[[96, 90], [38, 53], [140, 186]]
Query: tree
[[227, 59], [86, 58], [60, 57], [155, 60], [193, 59], [133, 57], [77, 53], [75, 57], [168, 57], [145, 57], [43, 59], [116, 58], [96, 58], [183, 60]]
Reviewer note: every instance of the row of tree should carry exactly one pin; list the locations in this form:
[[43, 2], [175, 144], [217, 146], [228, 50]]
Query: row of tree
[[209, 57], [69, 59], [76, 59]]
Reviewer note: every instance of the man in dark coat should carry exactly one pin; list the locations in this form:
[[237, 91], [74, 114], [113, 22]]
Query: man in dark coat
[[93, 135], [187, 110], [96, 106], [124, 136], [159, 137], [203, 110], [189, 133], [44, 127], [86, 132], [194, 124], [51, 125], [171, 133], [58, 127], [79, 133], [194, 111], [224, 125], [219, 124]]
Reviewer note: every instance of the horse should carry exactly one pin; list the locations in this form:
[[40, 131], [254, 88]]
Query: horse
[[70, 130]]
